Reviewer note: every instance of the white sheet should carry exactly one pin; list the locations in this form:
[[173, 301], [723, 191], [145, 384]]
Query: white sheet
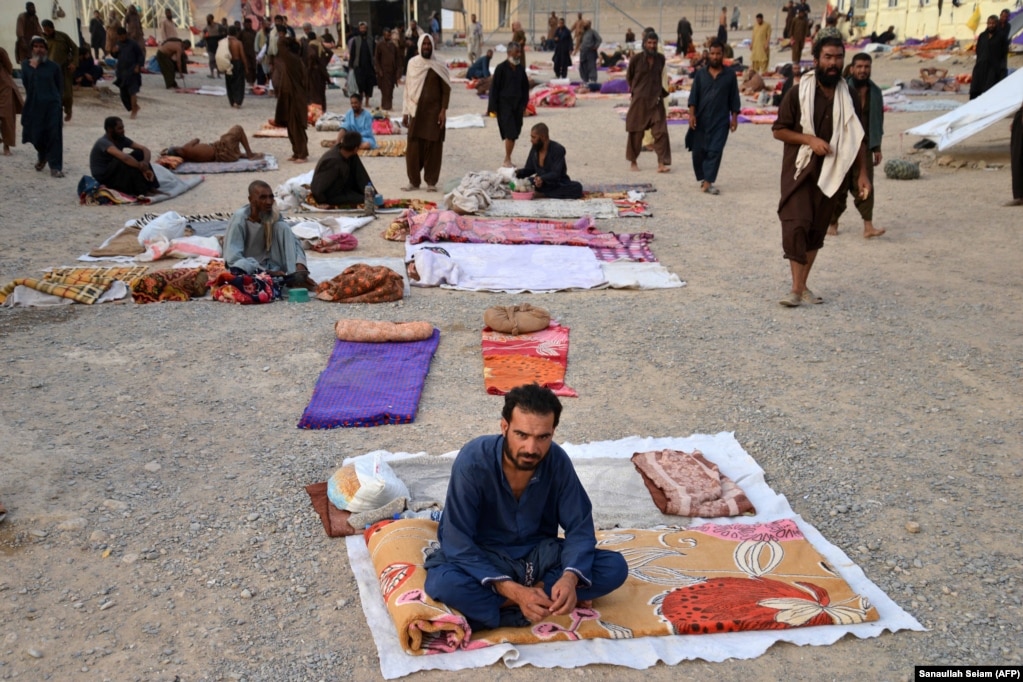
[[508, 268], [996, 104], [553, 209], [465, 121], [722, 449], [624, 274]]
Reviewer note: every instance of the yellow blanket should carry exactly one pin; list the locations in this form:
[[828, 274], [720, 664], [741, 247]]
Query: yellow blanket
[[702, 580], [84, 285]]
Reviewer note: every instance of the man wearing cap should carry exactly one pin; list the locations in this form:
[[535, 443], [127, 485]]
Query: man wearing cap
[[40, 117]]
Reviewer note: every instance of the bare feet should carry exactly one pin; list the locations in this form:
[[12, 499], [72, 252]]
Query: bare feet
[[664, 169], [299, 159], [507, 163], [1014, 202], [255, 155], [584, 604], [870, 231], [634, 166], [134, 113], [67, 117], [833, 230], [7, 150]]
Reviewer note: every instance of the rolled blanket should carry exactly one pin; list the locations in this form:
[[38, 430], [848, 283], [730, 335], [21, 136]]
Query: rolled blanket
[[379, 331]]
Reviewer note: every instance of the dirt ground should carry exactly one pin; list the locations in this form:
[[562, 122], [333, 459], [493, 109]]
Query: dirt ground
[[158, 528]]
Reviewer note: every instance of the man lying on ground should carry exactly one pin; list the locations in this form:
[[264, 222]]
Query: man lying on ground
[[500, 561], [547, 167], [128, 172], [753, 83], [259, 240], [340, 178], [226, 149]]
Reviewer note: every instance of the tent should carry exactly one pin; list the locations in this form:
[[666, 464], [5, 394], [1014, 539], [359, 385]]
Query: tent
[[996, 104]]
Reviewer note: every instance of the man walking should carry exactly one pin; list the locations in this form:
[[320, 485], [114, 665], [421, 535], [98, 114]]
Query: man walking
[[40, 116], [588, 45], [684, 37], [646, 110], [713, 113], [360, 60], [992, 48], [868, 99], [130, 60], [424, 113], [63, 53], [235, 78], [475, 39], [509, 95], [760, 45], [27, 27], [387, 61], [823, 139]]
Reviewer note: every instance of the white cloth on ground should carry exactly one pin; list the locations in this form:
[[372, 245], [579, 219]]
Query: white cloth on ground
[[476, 191]]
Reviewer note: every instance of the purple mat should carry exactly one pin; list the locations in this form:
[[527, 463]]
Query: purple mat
[[369, 384]]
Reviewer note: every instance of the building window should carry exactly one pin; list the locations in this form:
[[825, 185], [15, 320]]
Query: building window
[[893, 3]]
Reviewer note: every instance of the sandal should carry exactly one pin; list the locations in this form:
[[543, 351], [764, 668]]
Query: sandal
[[410, 188], [791, 300], [431, 188], [56, 174], [810, 297], [40, 166]]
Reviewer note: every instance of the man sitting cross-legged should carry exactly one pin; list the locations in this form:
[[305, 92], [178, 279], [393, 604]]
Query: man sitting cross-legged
[[226, 149], [340, 178], [501, 561], [259, 240]]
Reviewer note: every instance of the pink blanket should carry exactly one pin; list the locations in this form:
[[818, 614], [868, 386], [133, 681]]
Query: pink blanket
[[436, 226]]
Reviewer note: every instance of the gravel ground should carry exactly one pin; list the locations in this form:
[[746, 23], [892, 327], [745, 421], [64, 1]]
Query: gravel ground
[[158, 526]]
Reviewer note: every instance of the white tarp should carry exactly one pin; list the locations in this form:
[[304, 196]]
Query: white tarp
[[996, 104]]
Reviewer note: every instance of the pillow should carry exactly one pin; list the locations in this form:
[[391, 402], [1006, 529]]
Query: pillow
[[367, 483], [516, 319]]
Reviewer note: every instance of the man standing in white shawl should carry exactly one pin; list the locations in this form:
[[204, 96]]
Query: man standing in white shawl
[[819, 124], [424, 113]]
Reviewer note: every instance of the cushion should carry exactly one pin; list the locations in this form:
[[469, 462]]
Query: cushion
[[516, 319]]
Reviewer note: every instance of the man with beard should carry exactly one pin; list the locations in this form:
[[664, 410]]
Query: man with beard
[[130, 60], [40, 115], [562, 50], [358, 120], [547, 167], [292, 96], [588, 46], [259, 240], [501, 562], [646, 110], [387, 62], [28, 27], [64, 53], [340, 178], [818, 123], [509, 95], [683, 36], [870, 103], [360, 60], [713, 113], [128, 172], [235, 80], [992, 51], [424, 113]]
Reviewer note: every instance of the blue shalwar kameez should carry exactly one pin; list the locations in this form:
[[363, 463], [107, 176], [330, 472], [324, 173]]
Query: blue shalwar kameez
[[715, 100]]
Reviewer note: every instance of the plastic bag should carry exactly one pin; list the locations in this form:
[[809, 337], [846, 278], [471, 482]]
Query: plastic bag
[[224, 56], [367, 483], [169, 225]]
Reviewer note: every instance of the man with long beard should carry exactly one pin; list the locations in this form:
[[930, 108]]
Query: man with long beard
[[424, 113], [259, 240], [509, 95], [818, 123], [646, 110], [713, 113], [500, 561], [870, 102]]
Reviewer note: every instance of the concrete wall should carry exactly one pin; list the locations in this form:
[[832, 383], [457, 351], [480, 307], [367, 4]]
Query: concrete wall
[[10, 9]]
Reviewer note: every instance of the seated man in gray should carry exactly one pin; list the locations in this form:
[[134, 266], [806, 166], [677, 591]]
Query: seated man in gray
[[258, 240]]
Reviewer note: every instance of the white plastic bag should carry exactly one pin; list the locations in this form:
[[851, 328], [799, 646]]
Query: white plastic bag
[[367, 483], [169, 225]]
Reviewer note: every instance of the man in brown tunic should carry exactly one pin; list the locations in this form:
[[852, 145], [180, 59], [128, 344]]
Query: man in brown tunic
[[800, 29], [815, 161], [292, 96], [424, 112], [387, 62], [27, 27], [646, 110]]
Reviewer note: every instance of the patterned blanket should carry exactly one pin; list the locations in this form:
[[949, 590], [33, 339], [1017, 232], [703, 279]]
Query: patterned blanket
[[267, 163], [369, 384], [510, 360], [698, 581], [384, 147], [436, 226], [688, 484], [83, 285], [633, 247]]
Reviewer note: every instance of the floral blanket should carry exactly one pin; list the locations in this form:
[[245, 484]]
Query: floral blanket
[[511, 360], [438, 226], [702, 580]]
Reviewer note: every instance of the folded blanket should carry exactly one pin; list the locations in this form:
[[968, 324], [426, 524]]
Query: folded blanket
[[378, 331], [540, 357], [368, 384], [687, 484], [436, 226], [702, 580], [383, 148], [82, 285], [363, 284]]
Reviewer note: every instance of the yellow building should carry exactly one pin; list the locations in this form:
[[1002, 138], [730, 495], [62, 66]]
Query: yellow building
[[920, 18]]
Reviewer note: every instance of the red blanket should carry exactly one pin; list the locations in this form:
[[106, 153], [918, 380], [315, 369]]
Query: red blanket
[[541, 357]]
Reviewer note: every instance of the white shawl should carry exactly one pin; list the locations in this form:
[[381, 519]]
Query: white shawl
[[415, 76], [846, 134]]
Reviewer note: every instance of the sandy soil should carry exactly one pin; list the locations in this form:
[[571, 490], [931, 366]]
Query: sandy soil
[[158, 529]]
